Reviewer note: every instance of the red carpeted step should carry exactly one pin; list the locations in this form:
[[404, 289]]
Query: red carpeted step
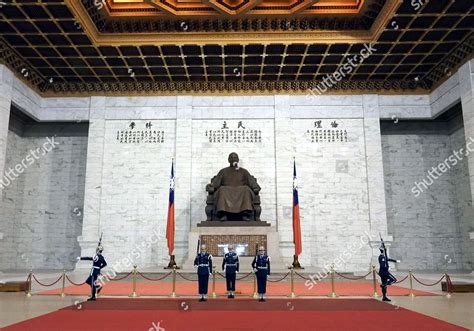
[[275, 314]]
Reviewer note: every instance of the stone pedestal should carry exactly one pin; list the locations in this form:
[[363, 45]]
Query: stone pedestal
[[222, 235]]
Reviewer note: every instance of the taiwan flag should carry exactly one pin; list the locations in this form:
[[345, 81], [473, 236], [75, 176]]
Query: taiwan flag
[[170, 222], [296, 215]]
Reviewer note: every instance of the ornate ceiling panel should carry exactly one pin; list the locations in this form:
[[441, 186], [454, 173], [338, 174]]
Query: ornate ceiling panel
[[49, 47], [228, 7], [231, 21]]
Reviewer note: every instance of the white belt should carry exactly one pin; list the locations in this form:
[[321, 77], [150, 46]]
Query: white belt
[[204, 265], [230, 265], [262, 267], [96, 267]]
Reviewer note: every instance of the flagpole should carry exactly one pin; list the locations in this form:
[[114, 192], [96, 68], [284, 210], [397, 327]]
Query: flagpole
[[170, 226], [296, 219]]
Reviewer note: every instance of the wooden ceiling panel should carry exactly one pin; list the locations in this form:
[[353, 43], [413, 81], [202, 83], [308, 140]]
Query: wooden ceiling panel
[[50, 49]]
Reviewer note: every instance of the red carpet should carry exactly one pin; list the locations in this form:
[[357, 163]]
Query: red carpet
[[239, 314], [282, 288]]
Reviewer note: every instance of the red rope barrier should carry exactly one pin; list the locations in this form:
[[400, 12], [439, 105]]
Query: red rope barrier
[[434, 284], [400, 281], [188, 279], [117, 279], [47, 285], [301, 276], [224, 276], [353, 278], [250, 273], [154, 279], [278, 280], [75, 284]]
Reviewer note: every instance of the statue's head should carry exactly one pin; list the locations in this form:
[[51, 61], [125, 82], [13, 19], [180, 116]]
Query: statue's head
[[233, 158]]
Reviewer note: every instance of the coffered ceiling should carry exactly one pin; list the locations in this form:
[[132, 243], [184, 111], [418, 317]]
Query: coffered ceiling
[[129, 47]]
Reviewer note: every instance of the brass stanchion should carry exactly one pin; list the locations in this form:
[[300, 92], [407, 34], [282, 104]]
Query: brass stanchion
[[292, 279], [333, 285], [173, 293], [30, 279], [64, 284], [214, 295], [134, 283], [255, 295], [448, 285], [411, 284], [374, 280]]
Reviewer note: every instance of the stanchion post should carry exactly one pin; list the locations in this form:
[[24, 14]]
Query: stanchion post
[[64, 284], [411, 284], [134, 282], [292, 279], [374, 280], [448, 285], [173, 293], [333, 285], [30, 279], [214, 295], [255, 295]]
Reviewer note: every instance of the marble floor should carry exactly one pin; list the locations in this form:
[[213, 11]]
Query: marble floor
[[16, 307]]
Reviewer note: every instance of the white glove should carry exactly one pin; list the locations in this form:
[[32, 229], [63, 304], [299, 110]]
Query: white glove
[[398, 261], [78, 258], [255, 270]]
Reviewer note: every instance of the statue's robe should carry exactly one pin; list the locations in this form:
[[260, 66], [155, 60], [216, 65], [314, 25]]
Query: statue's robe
[[234, 190]]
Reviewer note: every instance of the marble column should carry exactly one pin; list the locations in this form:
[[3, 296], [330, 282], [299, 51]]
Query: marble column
[[466, 86], [375, 175], [93, 190], [284, 153], [183, 164], [6, 82]]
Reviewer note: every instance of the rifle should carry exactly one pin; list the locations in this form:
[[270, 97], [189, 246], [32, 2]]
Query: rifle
[[384, 249], [256, 249], [100, 239], [198, 248]]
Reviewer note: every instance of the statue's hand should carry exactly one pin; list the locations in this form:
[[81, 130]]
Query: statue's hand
[[210, 188]]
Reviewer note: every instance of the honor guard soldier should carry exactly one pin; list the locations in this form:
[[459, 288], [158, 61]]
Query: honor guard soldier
[[230, 264], [203, 263], [98, 263], [261, 267], [385, 276]]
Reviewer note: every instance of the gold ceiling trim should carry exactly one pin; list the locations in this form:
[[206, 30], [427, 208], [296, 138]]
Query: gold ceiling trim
[[242, 38], [159, 8]]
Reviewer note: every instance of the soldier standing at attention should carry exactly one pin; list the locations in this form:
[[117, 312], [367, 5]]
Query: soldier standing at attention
[[203, 263], [230, 264], [98, 263], [261, 267]]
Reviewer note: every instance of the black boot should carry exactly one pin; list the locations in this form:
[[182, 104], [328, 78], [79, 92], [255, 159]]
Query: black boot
[[384, 293]]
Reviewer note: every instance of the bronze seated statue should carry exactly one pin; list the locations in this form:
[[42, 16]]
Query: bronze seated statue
[[233, 194]]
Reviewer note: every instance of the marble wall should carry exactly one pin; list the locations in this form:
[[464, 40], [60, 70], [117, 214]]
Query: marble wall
[[430, 229], [42, 206], [346, 189]]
